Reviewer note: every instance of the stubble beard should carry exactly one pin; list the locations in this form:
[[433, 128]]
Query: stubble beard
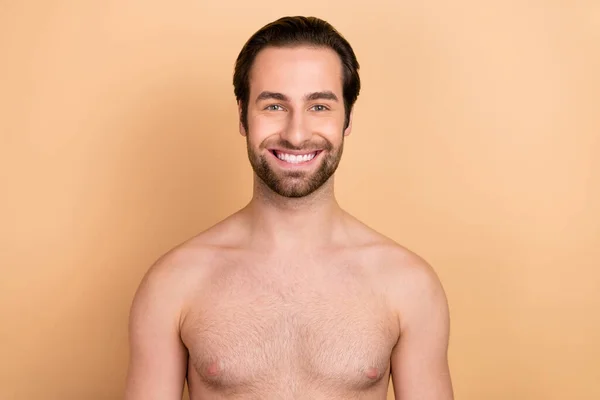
[[296, 184]]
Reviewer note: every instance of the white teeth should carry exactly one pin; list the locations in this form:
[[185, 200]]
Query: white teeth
[[295, 159]]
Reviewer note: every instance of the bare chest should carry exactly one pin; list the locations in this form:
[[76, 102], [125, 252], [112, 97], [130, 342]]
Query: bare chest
[[253, 330]]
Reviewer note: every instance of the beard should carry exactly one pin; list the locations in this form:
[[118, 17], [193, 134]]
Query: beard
[[296, 184]]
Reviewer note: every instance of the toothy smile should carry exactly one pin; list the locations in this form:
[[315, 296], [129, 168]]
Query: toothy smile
[[294, 158]]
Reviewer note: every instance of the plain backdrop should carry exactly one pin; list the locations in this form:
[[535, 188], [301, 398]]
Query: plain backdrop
[[476, 144]]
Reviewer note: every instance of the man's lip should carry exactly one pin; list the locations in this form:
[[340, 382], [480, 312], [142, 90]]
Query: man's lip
[[294, 152]]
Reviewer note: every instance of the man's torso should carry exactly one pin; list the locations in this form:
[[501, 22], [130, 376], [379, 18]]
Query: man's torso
[[308, 325]]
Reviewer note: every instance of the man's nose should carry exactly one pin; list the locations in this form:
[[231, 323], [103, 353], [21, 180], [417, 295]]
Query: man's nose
[[296, 131]]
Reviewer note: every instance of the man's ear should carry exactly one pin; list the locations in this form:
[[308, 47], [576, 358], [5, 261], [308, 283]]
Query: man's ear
[[348, 129], [241, 123]]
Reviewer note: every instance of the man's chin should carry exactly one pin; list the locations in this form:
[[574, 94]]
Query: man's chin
[[294, 193], [289, 183], [285, 188]]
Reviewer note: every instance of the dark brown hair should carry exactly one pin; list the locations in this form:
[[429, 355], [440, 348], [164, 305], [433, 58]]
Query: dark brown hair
[[293, 31]]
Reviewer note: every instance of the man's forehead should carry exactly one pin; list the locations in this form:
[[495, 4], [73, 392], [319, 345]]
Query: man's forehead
[[296, 70]]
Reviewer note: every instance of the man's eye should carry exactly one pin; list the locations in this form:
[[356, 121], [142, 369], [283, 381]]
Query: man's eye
[[274, 107], [319, 107]]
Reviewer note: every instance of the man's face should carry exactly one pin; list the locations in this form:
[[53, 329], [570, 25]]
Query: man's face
[[296, 118]]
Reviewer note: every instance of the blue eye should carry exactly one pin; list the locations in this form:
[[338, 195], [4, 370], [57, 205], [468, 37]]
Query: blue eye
[[273, 107]]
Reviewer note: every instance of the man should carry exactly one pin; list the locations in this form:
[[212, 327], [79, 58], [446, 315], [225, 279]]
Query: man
[[291, 297]]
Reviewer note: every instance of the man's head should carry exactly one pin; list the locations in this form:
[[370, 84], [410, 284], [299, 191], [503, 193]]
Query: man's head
[[296, 81]]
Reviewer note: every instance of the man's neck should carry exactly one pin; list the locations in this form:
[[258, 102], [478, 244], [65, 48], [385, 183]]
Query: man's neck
[[293, 223]]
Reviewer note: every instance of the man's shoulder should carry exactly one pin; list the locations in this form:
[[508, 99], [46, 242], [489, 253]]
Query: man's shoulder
[[196, 255], [189, 263], [414, 286], [389, 253], [406, 274], [404, 268]]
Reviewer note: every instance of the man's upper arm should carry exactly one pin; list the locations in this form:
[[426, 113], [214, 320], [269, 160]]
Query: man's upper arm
[[419, 361], [157, 356]]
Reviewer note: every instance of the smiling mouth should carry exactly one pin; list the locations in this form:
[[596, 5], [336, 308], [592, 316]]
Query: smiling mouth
[[295, 158]]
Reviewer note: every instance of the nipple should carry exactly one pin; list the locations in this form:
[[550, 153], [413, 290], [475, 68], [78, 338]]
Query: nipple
[[372, 373], [212, 369]]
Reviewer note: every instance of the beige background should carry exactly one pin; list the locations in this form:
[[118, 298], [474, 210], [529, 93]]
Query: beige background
[[476, 143]]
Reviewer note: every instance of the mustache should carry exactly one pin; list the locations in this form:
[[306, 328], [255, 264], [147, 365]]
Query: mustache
[[286, 145]]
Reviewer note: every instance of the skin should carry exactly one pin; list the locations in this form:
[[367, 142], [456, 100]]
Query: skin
[[290, 297]]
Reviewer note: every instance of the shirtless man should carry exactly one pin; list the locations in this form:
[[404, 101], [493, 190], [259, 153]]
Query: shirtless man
[[291, 297]]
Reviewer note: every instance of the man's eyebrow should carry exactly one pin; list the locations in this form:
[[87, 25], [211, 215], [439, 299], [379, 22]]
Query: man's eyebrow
[[271, 95], [323, 95]]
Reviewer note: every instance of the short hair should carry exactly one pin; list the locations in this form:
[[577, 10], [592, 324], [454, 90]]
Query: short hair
[[294, 31]]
